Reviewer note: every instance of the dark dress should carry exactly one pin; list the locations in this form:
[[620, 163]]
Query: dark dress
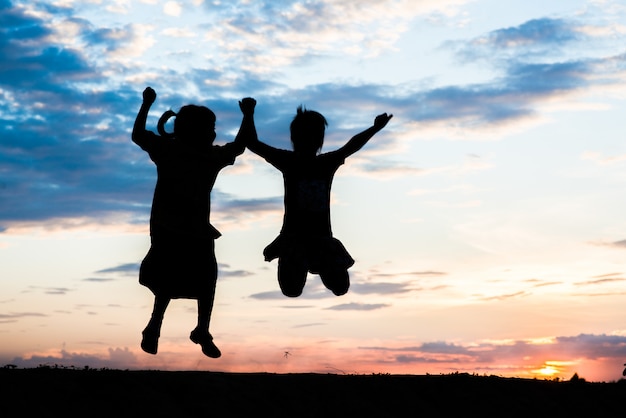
[[181, 261], [306, 234]]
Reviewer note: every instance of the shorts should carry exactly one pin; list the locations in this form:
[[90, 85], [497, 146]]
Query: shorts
[[317, 253]]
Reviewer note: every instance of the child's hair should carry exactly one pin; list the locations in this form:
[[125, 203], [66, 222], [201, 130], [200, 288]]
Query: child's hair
[[191, 120], [307, 129]]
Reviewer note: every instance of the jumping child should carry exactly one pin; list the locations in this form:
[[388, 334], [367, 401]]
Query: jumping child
[[306, 243], [181, 261]]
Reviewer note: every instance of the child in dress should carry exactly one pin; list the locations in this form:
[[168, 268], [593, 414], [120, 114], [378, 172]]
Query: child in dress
[[181, 261], [306, 243]]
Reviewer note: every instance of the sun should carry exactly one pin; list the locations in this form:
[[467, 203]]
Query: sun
[[547, 371]]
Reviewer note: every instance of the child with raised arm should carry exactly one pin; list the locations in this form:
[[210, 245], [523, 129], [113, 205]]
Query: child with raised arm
[[306, 243], [181, 261]]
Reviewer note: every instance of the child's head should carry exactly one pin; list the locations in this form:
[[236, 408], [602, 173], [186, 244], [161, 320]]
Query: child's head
[[193, 124], [307, 131]]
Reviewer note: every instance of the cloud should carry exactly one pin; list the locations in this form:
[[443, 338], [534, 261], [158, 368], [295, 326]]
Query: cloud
[[128, 268], [355, 306], [600, 159], [97, 280], [68, 105], [536, 33], [172, 8], [262, 35], [226, 271], [117, 358], [522, 357], [381, 288], [600, 281], [504, 296], [50, 290], [17, 315]]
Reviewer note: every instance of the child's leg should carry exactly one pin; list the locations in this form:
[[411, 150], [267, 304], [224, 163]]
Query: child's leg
[[337, 280], [150, 340], [291, 276], [200, 335]]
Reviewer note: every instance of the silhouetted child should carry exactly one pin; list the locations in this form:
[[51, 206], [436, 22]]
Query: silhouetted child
[[181, 261], [306, 242]]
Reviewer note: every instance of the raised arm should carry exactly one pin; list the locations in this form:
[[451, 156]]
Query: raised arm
[[251, 139], [247, 129], [360, 139], [140, 134]]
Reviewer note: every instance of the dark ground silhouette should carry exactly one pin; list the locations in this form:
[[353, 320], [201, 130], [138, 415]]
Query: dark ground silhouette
[[118, 393]]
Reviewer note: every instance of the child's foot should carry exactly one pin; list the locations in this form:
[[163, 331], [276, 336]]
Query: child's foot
[[150, 340], [206, 342]]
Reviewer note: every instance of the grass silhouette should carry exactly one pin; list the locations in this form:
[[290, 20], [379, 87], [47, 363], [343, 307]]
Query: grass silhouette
[[50, 391]]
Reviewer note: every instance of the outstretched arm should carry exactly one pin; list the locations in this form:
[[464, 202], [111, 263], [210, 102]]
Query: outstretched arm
[[360, 139], [140, 134]]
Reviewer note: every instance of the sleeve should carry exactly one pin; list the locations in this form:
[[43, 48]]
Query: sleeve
[[334, 159], [148, 141], [226, 154], [277, 157]]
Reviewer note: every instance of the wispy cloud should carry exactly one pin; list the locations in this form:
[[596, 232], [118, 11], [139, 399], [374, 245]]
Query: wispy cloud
[[128, 268], [356, 306]]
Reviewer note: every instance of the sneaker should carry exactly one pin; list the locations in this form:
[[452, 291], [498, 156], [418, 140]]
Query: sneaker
[[206, 342]]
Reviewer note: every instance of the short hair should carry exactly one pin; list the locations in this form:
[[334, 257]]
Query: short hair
[[309, 126]]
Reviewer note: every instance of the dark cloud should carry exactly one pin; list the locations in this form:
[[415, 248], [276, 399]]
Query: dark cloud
[[588, 346], [97, 280], [227, 272], [128, 268], [594, 346], [536, 32]]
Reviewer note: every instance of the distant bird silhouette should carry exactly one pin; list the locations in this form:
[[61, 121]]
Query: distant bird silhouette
[[287, 354]]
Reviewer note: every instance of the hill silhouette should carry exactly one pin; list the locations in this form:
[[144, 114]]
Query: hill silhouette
[[48, 391]]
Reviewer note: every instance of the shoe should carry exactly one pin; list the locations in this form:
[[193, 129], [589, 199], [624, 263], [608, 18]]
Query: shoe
[[150, 341], [206, 342]]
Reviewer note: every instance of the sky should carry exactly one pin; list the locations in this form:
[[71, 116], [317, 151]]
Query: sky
[[487, 220]]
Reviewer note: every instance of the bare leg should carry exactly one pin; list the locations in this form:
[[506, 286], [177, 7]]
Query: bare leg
[[291, 277], [152, 332], [338, 281]]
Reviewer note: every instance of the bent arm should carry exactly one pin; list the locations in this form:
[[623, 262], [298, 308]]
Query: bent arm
[[359, 140], [140, 135]]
